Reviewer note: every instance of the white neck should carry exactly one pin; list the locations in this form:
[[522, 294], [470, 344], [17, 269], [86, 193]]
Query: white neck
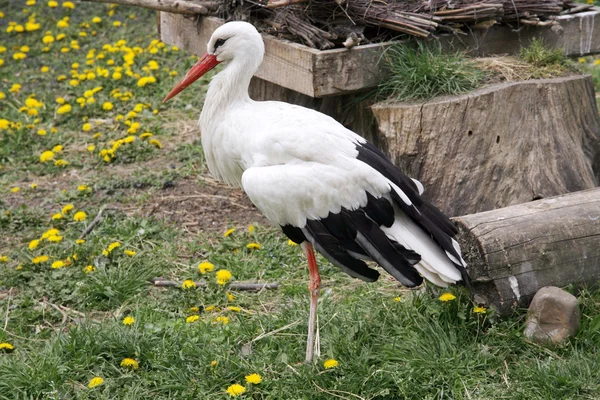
[[228, 87]]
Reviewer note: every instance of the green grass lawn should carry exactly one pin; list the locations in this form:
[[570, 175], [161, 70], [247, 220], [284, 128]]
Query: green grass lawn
[[82, 308]]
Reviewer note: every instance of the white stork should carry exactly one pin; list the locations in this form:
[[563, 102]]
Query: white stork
[[324, 185]]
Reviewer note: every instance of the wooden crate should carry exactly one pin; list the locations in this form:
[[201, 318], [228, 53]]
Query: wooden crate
[[317, 73], [293, 66]]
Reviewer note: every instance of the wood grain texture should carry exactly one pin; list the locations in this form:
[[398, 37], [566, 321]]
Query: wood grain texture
[[498, 146], [576, 35], [293, 66], [173, 6], [512, 252], [334, 72]]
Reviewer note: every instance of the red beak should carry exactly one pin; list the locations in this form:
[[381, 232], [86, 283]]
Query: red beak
[[205, 64]]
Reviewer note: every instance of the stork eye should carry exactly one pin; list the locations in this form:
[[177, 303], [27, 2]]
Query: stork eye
[[219, 42]]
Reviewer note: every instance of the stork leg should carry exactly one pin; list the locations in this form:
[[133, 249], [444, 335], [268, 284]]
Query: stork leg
[[314, 286]]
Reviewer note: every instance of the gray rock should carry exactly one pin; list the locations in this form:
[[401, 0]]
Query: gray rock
[[553, 316]]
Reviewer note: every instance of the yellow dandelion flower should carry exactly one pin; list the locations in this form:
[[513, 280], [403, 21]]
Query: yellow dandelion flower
[[68, 4], [253, 246], [65, 108], [234, 309], [479, 310], [209, 308], [15, 189], [58, 264], [228, 232], [130, 363], [52, 4], [7, 347], [205, 267], [19, 56], [89, 269], [80, 216], [128, 320], [15, 88], [188, 284], [230, 296], [56, 216], [42, 132], [236, 390], [130, 253], [397, 299], [117, 24], [86, 127], [3, 259], [80, 241], [331, 363], [223, 276], [107, 106], [255, 379], [290, 242], [192, 318], [214, 363], [96, 381], [156, 143], [40, 259], [67, 208], [82, 188], [46, 156], [50, 232], [44, 69], [34, 244], [447, 297]]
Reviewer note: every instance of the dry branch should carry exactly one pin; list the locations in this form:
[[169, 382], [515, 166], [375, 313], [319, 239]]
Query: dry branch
[[241, 286], [172, 6], [94, 222], [324, 24]]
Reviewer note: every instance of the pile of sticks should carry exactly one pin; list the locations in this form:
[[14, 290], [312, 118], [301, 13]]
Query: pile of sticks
[[324, 24]]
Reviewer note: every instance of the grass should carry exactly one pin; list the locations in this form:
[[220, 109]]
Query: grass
[[66, 324], [538, 55], [421, 71]]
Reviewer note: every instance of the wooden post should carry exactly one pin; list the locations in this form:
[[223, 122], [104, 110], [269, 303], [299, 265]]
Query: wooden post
[[512, 252]]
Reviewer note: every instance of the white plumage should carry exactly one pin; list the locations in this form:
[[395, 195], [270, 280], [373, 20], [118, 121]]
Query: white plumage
[[319, 181]]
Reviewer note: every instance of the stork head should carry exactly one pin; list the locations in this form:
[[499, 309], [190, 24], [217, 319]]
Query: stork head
[[235, 41]]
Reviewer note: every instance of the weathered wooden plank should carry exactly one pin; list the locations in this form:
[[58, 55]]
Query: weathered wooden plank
[[318, 73], [512, 252], [293, 66], [577, 35], [498, 146]]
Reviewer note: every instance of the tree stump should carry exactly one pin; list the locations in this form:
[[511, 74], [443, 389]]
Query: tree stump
[[505, 144], [512, 252]]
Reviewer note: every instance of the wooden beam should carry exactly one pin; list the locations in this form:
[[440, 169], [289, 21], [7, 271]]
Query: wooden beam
[[512, 252], [172, 6], [291, 65], [335, 72], [575, 34]]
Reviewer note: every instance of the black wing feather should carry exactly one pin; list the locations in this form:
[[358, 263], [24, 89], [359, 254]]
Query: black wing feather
[[426, 215]]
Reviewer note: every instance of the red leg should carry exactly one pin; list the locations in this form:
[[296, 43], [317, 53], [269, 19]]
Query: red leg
[[314, 286]]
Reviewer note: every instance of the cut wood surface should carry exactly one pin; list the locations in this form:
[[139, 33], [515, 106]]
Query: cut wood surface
[[502, 145], [512, 252], [324, 73]]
